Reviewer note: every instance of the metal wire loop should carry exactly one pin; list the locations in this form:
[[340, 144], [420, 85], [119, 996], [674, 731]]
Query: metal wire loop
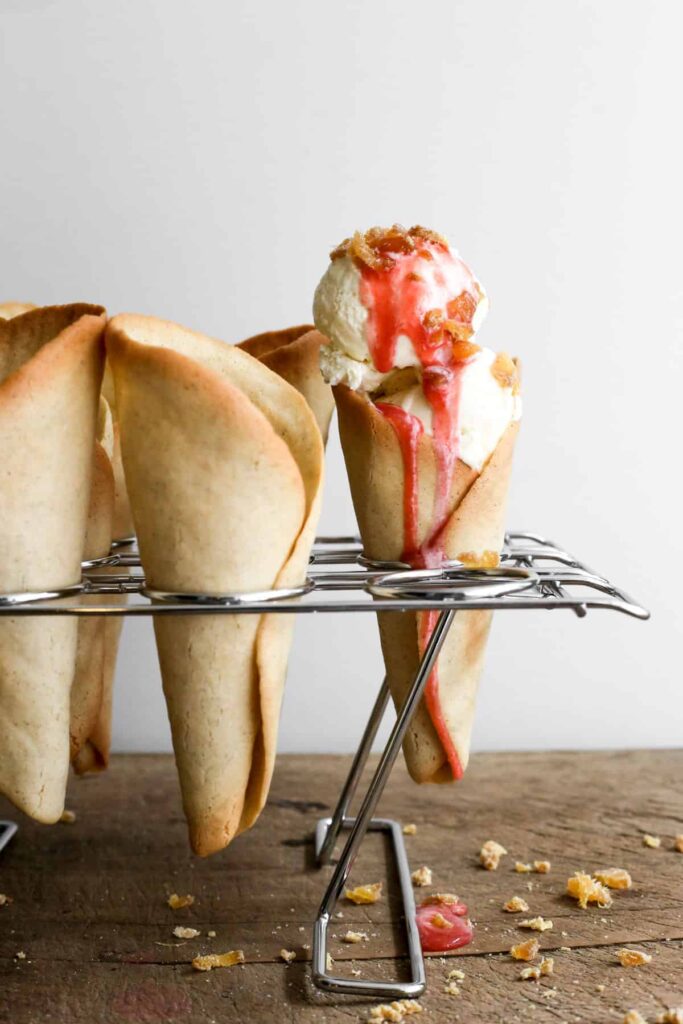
[[232, 598]]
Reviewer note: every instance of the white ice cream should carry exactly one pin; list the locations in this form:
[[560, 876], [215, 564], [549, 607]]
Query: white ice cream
[[484, 413], [340, 315], [485, 408]]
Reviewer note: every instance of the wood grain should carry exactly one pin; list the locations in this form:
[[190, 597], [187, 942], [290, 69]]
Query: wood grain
[[89, 899]]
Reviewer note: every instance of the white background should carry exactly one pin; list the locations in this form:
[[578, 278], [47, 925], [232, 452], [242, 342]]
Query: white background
[[197, 161]]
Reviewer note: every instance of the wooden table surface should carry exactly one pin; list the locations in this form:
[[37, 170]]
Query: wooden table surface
[[89, 903]]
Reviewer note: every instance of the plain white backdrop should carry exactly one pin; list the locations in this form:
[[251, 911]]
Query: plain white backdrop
[[198, 161]]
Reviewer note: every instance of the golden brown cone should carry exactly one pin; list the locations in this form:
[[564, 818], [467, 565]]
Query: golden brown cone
[[474, 528], [8, 310], [50, 370], [224, 466], [293, 354], [88, 697], [123, 519], [94, 754]]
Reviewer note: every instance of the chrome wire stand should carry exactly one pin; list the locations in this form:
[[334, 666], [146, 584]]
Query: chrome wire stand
[[533, 574]]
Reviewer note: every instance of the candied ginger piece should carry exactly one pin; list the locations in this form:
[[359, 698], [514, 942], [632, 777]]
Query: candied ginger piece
[[369, 893], [536, 924], [634, 1017], [410, 829], [525, 950], [439, 921], [516, 905], [654, 842], [632, 957], [447, 899], [542, 867], [394, 1012], [176, 902], [671, 1016], [504, 370], [211, 960], [587, 890], [422, 876], [490, 854], [614, 878], [522, 869]]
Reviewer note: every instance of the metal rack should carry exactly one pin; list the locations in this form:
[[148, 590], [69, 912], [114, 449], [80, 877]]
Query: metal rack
[[533, 573]]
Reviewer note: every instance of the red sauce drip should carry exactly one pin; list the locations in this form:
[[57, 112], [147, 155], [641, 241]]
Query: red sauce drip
[[435, 939], [409, 430], [410, 299], [427, 622]]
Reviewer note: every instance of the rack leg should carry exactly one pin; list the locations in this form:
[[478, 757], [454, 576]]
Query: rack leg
[[359, 827], [8, 830], [328, 829]]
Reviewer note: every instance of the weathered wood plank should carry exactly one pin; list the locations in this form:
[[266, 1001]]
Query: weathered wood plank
[[36, 992], [89, 898]]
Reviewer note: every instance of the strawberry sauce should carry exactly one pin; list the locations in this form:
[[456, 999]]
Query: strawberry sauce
[[443, 926], [428, 296]]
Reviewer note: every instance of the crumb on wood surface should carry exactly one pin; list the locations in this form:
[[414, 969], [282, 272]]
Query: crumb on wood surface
[[211, 960], [490, 854], [525, 950], [369, 893], [516, 905], [421, 876], [177, 902], [633, 957]]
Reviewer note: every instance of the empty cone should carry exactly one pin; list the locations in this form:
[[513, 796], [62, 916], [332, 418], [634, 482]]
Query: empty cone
[[8, 310], [50, 370], [122, 526], [436, 746], [90, 692], [224, 465], [293, 354]]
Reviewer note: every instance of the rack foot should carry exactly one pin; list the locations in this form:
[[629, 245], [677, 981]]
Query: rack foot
[[327, 829]]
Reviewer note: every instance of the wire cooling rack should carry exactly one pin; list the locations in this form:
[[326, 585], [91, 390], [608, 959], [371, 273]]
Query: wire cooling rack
[[534, 573]]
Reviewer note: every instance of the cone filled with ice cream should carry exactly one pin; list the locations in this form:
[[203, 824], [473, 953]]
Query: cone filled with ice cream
[[428, 420]]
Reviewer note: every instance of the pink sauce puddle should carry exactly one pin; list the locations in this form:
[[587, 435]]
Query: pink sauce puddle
[[437, 938], [397, 300]]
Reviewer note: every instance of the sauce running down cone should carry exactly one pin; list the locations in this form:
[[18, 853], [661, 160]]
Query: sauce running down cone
[[428, 428]]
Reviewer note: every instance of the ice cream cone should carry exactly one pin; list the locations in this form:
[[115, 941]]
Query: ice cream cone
[[88, 695], [8, 310], [123, 525], [224, 464], [50, 371], [473, 533], [293, 354]]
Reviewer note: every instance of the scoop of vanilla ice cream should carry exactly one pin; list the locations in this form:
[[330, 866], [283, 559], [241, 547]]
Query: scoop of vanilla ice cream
[[485, 409], [338, 312], [340, 315]]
